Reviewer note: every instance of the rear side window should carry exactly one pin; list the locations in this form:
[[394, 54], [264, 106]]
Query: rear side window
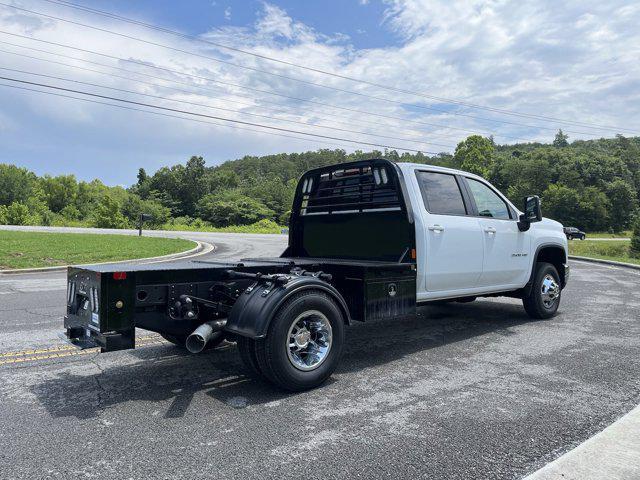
[[488, 202], [441, 193]]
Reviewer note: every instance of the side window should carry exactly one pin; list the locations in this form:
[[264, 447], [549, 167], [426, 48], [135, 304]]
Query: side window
[[441, 193], [488, 202]]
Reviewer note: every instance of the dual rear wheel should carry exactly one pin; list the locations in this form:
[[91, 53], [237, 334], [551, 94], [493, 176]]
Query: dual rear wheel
[[304, 341], [303, 344]]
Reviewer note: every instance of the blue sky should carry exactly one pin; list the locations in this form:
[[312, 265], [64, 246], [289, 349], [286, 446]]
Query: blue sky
[[574, 61], [360, 21]]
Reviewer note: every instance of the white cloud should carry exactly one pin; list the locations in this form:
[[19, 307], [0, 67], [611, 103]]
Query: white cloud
[[575, 60], [227, 13]]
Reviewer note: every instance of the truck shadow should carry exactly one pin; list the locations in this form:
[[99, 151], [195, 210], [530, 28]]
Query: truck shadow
[[163, 374]]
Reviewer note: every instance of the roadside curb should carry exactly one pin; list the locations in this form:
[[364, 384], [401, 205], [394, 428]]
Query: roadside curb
[[605, 262], [201, 248], [611, 453]]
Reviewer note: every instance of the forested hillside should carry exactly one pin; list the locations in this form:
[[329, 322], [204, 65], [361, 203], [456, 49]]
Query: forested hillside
[[593, 185]]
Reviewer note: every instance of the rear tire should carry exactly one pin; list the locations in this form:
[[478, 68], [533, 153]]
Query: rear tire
[[304, 342], [544, 298], [247, 349]]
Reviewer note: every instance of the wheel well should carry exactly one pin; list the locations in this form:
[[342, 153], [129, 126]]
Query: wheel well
[[554, 255]]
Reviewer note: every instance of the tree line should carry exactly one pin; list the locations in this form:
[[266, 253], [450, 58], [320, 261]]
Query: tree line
[[590, 184]]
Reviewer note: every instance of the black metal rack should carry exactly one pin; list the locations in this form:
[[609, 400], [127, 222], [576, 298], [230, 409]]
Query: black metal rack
[[356, 189]]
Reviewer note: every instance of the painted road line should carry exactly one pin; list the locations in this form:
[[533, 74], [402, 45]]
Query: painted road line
[[68, 353], [64, 348]]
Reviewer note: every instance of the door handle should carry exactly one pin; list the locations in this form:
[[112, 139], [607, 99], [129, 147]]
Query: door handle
[[490, 230], [436, 228]]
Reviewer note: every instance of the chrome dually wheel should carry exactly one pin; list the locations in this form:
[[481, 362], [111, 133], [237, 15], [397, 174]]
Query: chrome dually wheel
[[543, 299], [309, 340], [549, 290]]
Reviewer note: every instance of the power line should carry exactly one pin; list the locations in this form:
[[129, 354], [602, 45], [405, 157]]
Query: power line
[[332, 74], [186, 112], [266, 72], [199, 87], [251, 89], [158, 97], [169, 115], [255, 102]]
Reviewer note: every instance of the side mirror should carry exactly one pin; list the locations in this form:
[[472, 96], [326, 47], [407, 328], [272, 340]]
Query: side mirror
[[532, 212]]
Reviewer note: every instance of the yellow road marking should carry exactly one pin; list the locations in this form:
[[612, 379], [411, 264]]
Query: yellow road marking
[[62, 348], [70, 352]]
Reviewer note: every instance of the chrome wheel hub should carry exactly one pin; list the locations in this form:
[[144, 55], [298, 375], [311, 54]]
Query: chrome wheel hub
[[302, 339], [550, 291], [309, 340]]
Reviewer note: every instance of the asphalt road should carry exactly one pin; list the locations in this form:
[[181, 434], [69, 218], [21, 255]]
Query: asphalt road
[[463, 391]]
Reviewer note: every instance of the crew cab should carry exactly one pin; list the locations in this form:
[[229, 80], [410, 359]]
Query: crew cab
[[368, 240]]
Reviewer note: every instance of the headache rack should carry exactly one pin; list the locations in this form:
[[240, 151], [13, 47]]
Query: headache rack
[[352, 211], [363, 188]]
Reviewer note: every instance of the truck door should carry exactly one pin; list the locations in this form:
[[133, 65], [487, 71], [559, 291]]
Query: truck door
[[453, 247], [506, 248]]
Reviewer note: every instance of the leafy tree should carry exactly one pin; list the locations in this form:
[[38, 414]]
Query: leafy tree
[[193, 186], [623, 200], [634, 249], [3, 215], [594, 207], [232, 208], [475, 155], [142, 176], [71, 212], [107, 214], [16, 184], [59, 191], [219, 179], [592, 184], [39, 211], [18, 214], [273, 193], [561, 140], [89, 194], [133, 206], [562, 204]]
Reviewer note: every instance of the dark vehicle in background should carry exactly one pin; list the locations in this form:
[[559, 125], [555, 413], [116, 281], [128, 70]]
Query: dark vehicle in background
[[572, 233]]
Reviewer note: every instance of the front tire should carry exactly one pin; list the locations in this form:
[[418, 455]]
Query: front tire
[[303, 343], [544, 298]]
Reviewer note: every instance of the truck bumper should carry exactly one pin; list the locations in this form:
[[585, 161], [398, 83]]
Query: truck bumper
[[86, 337]]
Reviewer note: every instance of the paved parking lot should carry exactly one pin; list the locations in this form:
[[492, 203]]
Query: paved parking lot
[[462, 391]]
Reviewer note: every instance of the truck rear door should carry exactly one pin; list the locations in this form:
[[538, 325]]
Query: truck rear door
[[453, 250]]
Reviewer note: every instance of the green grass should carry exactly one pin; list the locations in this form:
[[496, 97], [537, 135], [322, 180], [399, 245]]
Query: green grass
[[624, 234], [38, 249], [614, 250], [263, 226]]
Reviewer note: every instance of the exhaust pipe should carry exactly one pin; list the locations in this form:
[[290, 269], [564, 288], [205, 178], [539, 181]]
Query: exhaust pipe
[[204, 334]]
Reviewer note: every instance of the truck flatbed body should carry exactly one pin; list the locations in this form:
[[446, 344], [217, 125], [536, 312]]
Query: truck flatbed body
[[367, 240], [251, 263]]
